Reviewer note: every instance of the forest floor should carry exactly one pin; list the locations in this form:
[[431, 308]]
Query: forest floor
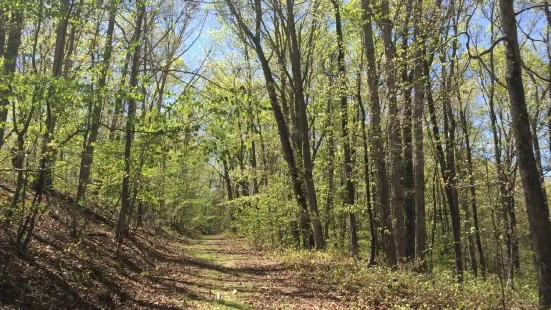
[[160, 270], [234, 276], [212, 272], [155, 270]]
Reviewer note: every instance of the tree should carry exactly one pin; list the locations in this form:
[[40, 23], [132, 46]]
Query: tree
[[395, 147], [87, 157], [10, 61], [377, 139], [538, 212], [420, 85], [349, 187], [255, 40], [126, 198]]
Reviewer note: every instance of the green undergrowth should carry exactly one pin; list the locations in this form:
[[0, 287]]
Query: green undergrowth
[[381, 287]]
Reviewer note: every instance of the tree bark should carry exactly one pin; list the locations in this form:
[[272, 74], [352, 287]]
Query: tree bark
[[394, 143], [10, 61], [330, 171], [408, 182], [49, 154], [283, 129], [2, 32], [377, 140], [227, 178], [506, 197], [243, 181], [538, 212], [126, 196], [448, 182], [44, 179], [419, 156], [87, 157], [472, 189], [372, 229], [349, 195], [548, 50], [308, 165]]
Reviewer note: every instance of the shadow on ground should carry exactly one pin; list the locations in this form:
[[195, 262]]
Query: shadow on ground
[[153, 271]]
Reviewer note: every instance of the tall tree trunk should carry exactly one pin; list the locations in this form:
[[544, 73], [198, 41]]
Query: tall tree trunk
[[472, 188], [244, 182], [377, 140], [450, 145], [505, 191], [330, 170], [283, 129], [372, 229], [70, 49], [419, 155], [394, 143], [126, 196], [10, 61], [290, 118], [538, 212], [44, 179], [51, 118], [408, 183], [547, 11], [87, 157], [349, 184], [118, 108], [251, 130], [227, 178], [535, 138], [2, 31], [537, 151], [303, 126], [448, 182]]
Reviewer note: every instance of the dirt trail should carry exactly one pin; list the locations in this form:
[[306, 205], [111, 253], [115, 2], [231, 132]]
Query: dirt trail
[[226, 274], [153, 272]]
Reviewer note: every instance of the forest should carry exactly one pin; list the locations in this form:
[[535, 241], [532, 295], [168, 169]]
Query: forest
[[275, 154]]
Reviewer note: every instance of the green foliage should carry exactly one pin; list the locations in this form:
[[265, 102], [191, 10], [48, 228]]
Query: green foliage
[[206, 154]]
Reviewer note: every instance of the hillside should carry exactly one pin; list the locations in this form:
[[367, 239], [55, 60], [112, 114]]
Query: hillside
[[153, 271]]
